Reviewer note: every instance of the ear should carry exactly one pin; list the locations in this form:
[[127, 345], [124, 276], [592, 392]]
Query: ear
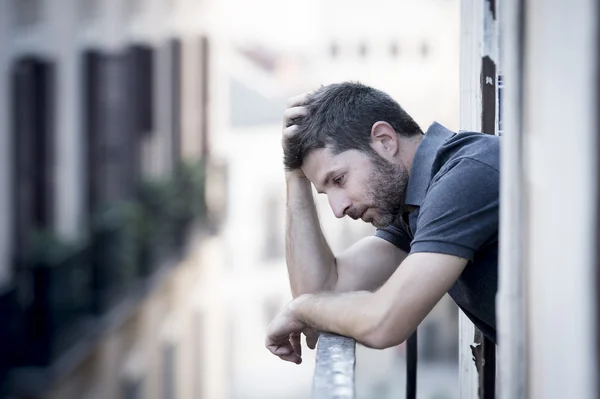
[[384, 140]]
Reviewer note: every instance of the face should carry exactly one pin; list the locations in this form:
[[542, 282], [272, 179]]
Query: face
[[361, 186]]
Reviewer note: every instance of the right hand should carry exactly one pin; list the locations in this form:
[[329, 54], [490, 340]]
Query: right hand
[[294, 110]]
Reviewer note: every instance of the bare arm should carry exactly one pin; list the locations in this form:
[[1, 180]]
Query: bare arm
[[378, 320], [311, 264], [312, 267]]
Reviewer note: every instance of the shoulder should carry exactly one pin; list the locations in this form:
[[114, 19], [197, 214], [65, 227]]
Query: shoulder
[[469, 149]]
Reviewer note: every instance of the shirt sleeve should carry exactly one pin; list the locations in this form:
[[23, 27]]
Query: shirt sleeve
[[459, 214], [395, 234]]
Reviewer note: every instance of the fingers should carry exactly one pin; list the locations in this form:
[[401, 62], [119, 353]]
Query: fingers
[[285, 351], [298, 100], [292, 358], [311, 338], [290, 116], [296, 343], [311, 341], [289, 131], [283, 336], [294, 112]]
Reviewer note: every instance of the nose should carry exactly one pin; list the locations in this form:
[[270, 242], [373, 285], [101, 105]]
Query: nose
[[339, 206]]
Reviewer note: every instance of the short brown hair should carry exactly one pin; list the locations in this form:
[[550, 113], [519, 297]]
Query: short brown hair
[[340, 116]]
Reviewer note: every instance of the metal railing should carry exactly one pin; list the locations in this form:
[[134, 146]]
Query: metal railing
[[334, 372], [52, 298], [53, 307], [335, 369], [335, 377], [54, 301], [484, 356]]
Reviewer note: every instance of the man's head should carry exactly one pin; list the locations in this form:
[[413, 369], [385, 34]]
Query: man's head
[[356, 145]]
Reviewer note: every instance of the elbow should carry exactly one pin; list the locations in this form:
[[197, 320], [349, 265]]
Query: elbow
[[382, 331], [382, 338]]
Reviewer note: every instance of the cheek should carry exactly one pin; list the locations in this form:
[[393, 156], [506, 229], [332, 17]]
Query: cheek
[[362, 176], [358, 193]]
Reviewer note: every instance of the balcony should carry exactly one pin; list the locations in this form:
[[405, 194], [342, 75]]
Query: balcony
[[65, 295]]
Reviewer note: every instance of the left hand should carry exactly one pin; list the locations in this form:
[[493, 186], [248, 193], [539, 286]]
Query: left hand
[[283, 336]]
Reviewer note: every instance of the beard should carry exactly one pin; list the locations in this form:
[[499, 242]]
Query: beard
[[387, 190]]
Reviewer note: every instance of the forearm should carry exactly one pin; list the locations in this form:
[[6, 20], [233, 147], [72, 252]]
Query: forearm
[[352, 314], [310, 262], [388, 316]]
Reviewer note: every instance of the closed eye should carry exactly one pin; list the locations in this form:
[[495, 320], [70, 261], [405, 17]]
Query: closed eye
[[338, 181]]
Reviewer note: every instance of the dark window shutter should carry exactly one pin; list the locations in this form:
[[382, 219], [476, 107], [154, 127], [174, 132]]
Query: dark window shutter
[[205, 79], [175, 51], [110, 128], [33, 99], [142, 80], [90, 65]]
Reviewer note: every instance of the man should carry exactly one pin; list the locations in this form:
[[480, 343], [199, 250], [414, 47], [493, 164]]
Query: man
[[433, 198]]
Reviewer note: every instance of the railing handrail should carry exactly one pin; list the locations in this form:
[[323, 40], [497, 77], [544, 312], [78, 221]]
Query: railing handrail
[[334, 372], [335, 369]]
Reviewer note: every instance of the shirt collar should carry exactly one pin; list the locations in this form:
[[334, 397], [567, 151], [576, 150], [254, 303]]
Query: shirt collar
[[420, 170]]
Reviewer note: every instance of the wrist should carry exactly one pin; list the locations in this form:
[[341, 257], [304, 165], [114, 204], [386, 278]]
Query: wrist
[[298, 186], [297, 307], [296, 177]]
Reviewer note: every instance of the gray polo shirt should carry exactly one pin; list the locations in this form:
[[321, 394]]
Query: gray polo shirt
[[454, 189]]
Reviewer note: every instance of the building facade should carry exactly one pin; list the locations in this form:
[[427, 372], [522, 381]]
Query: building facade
[[104, 138]]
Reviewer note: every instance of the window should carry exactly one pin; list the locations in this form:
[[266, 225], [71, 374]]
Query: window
[[204, 90], [112, 145], [142, 67], [33, 102], [175, 51]]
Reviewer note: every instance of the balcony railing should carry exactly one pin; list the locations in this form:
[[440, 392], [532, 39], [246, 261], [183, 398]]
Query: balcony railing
[[336, 359], [52, 299], [61, 292], [334, 373]]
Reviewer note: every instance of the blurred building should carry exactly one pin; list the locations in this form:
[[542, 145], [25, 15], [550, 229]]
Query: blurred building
[[409, 49], [104, 145]]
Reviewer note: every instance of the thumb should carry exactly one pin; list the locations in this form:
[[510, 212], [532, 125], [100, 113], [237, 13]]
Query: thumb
[[311, 338]]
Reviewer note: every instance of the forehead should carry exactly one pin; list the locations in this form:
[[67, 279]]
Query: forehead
[[318, 163]]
